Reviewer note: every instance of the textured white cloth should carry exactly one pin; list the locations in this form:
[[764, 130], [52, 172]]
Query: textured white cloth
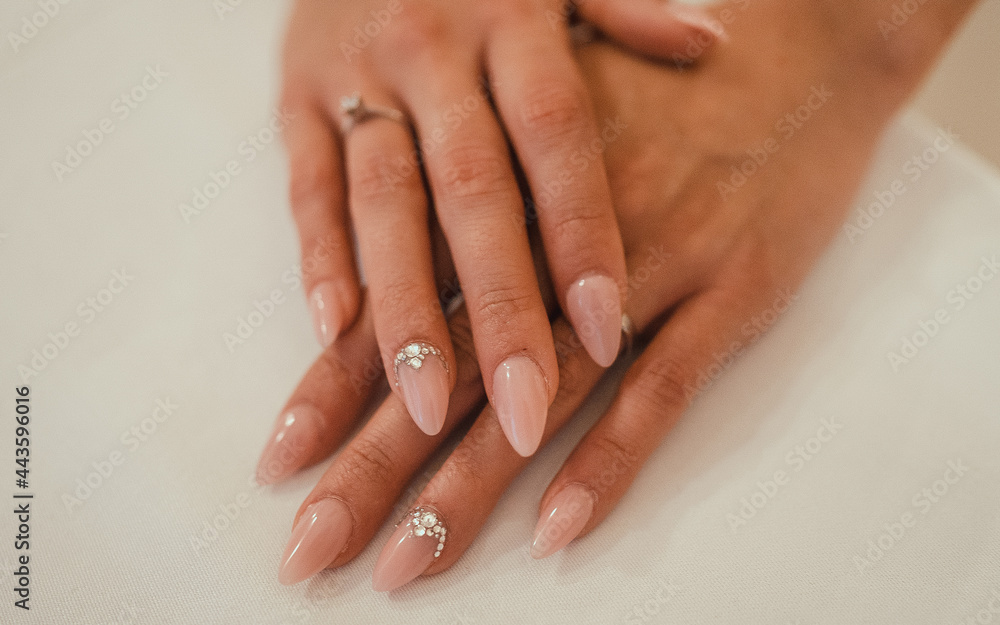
[[706, 534]]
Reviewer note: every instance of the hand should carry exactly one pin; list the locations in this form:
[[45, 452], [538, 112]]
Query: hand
[[430, 60], [714, 254]]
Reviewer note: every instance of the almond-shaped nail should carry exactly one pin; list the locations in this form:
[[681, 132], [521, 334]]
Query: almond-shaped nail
[[317, 539], [698, 18], [417, 541], [595, 310], [521, 401], [422, 376], [566, 515], [328, 318], [291, 444]]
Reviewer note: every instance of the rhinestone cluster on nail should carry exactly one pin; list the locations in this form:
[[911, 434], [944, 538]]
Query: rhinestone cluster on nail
[[426, 522], [413, 355]]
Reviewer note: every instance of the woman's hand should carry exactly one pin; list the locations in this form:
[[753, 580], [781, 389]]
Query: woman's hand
[[431, 61], [729, 181]]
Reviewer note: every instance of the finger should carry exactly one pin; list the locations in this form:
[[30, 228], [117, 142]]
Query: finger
[[316, 194], [672, 30], [325, 405], [480, 210], [657, 389], [358, 491], [547, 111], [389, 210], [462, 493]]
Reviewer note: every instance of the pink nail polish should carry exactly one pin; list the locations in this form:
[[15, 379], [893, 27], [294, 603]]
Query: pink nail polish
[[521, 401], [291, 444], [328, 319], [422, 376], [567, 513], [317, 539], [698, 18], [595, 310], [417, 541]]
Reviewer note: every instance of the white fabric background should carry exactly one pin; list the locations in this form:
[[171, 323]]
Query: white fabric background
[[667, 555]]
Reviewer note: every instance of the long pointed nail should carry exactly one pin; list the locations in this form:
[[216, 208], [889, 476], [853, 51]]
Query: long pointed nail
[[317, 539], [422, 376], [521, 401], [698, 18], [291, 444], [567, 513], [328, 319], [417, 541], [595, 309]]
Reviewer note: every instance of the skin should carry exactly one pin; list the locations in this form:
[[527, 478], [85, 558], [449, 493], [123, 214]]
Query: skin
[[431, 60], [727, 253]]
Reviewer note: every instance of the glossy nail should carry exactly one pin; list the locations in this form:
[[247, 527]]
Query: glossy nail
[[328, 319], [291, 444], [317, 540], [698, 18], [422, 376], [521, 401], [595, 310], [566, 515], [417, 541]]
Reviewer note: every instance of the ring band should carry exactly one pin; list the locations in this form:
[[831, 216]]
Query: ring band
[[356, 111], [628, 335]]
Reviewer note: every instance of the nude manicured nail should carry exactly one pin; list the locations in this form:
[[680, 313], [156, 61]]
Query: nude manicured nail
[[423, 379], [291, 444], [566, 515], [595, 310], [521, 401], [328, 319], [697, 18], [317, 540], [417, 541]]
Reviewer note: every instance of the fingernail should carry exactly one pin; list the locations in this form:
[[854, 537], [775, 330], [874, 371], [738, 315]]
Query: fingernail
[[697, 18], [567, 513], [422, 376], [417, 541], [317, 540], [521, 401], [595, 310], [326, 313], [290, 445]]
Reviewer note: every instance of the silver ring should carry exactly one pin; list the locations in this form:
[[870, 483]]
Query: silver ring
[[628, 335], [356, 111]]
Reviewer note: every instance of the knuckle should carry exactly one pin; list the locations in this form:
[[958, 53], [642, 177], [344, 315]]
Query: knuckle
[[418, 31], [554, 112], [661, 384], [472, 171], [311, 178], [505, 305], [369, 460], [369, 182], [405, 304], [580, 222], [619, 459]]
